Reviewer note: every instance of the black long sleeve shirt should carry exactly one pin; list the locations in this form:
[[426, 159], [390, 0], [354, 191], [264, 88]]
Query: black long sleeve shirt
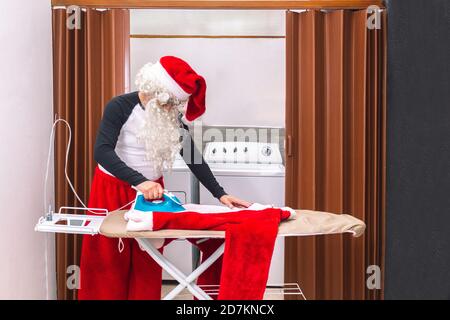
[[115, 116]]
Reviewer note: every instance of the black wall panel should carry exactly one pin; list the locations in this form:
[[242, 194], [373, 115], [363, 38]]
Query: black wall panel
[[418, 150]]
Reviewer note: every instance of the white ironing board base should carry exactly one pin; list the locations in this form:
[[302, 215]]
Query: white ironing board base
[[188, 281], [185, 281]]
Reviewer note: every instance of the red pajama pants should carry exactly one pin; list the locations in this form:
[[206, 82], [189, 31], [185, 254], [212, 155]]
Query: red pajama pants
[[107, 273]]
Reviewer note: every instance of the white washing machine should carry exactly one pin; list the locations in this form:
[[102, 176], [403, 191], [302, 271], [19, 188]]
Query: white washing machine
[[255, 172], [178, 182]]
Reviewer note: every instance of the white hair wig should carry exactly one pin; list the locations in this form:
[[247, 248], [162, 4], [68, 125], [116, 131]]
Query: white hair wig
[[160, 133]]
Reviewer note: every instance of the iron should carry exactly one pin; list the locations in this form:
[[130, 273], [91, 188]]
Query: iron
[[169, 203]]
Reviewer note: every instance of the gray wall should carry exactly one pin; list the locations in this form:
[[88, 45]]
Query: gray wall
[[418, 158], [27, 263], [245, 76]]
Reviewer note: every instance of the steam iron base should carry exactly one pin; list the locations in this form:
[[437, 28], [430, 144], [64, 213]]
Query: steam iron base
[[169, 203]]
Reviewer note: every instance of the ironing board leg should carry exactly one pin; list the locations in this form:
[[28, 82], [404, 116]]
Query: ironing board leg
[[197, 272], [171, 269], [185, 281]]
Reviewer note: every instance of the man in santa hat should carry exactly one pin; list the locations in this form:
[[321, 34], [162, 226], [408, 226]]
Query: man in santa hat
[[138, 138]]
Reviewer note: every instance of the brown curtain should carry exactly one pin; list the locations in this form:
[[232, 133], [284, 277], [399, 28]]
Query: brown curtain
[[91, 65], [335, 128]]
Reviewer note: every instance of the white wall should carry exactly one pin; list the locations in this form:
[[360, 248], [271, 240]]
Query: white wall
[[208, 22], [245, 77], [26, 113]]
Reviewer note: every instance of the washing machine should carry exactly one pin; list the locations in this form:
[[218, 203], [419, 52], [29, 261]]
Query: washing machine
[[177, 181], [253, 171]]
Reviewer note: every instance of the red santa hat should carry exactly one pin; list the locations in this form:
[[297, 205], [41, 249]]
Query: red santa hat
[[179, 78]]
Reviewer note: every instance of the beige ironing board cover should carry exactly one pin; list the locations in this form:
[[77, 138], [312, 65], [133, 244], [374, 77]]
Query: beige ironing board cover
[[306, 223]]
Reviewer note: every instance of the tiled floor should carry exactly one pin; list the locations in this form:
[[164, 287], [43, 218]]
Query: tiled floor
[[186, 295]]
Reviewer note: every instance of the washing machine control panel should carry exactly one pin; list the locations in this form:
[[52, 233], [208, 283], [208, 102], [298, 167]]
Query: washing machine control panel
[[243, 152]]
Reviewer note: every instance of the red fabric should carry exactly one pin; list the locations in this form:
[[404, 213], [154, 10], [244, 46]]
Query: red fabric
[[249, 242], [105, 272], [191, 82], [132, 274]]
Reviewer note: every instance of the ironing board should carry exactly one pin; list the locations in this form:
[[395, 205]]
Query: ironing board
[[306, 223], [113, 225]]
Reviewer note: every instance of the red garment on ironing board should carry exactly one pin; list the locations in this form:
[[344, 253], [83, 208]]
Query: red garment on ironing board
[[249, 242], [109, 274]]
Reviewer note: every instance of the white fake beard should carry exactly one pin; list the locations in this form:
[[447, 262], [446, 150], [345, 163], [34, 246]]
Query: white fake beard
[[160, 136]]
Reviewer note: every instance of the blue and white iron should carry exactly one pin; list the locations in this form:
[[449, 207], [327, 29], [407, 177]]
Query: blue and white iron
[[169, 203]]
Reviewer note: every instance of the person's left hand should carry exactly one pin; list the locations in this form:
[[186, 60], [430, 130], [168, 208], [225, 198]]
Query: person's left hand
[[232, 202]]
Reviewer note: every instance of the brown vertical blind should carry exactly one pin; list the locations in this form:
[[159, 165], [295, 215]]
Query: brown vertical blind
[[90, 67], [335, 128]]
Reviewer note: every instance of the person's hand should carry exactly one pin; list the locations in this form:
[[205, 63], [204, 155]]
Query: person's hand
[[232, 202], [151, 190]]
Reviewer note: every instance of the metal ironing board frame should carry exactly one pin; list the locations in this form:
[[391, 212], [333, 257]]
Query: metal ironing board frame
[[187, 281]]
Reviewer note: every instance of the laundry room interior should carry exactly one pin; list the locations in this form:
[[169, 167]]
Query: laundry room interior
[[294, 97], [241, 54]]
